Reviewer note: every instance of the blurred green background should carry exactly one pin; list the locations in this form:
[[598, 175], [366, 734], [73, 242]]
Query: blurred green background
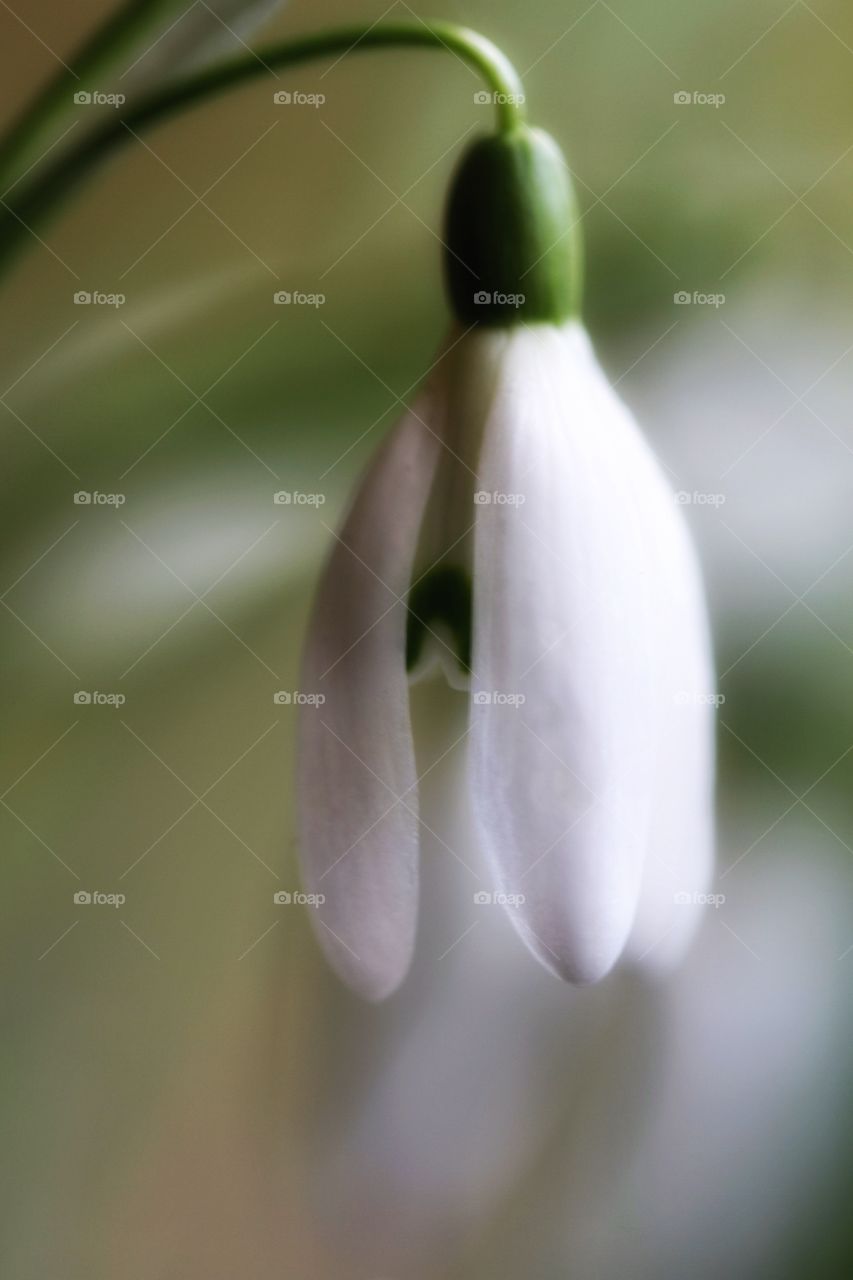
[[186, 1089]]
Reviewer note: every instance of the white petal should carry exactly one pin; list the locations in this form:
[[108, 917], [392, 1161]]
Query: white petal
[[679, 862], [357, 793], [582, 592]]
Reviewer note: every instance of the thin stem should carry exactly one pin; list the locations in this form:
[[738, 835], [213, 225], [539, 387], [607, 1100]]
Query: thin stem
[[44, 195], [99, 55]]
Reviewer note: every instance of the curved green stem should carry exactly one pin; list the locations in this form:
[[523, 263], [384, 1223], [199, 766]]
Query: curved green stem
[[45, 194], [98, 56]]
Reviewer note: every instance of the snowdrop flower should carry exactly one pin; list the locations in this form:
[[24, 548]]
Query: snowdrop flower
[[516, 530]]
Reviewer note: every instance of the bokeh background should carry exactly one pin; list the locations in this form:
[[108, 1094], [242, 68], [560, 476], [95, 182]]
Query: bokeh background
[[187, 1091]]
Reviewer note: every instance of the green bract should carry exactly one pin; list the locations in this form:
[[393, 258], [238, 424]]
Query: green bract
[[512, 238], [443, 596]]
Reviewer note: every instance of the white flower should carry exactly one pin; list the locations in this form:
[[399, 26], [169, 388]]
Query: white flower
[[515, 512]]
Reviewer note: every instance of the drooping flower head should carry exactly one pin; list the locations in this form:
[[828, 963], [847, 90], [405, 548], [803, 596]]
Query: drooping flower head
[[516, 529]]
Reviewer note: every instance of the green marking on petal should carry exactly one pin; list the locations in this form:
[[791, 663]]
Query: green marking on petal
[[442, 596]]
